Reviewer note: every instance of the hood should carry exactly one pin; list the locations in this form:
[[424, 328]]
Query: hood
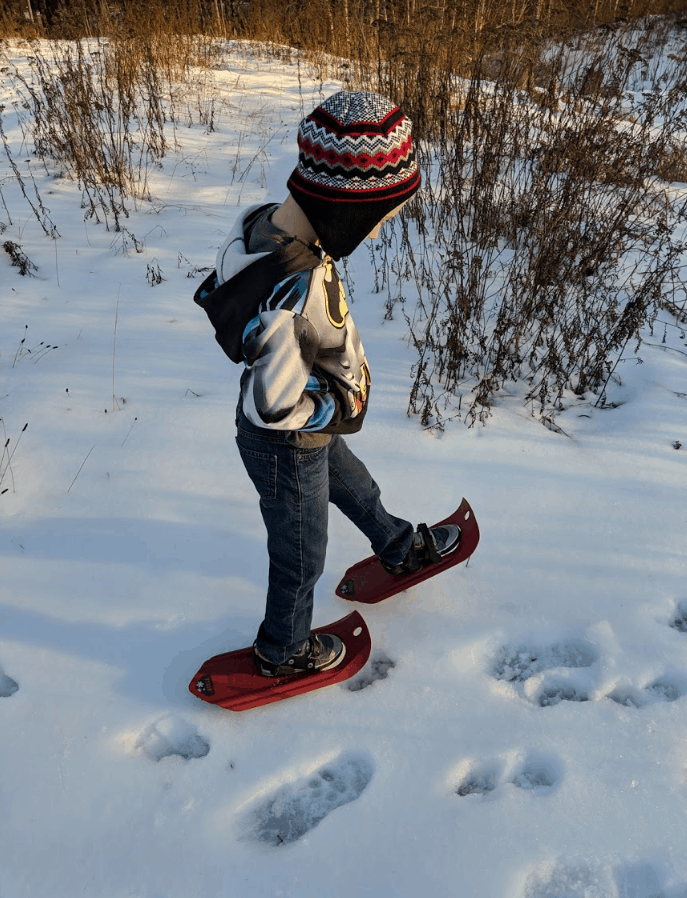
[[232, 295]]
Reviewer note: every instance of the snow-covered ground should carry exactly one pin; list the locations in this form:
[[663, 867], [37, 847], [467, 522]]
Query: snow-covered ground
[[521, 729]]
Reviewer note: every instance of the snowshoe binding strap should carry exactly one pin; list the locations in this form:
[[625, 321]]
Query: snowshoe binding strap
[[430, 546]]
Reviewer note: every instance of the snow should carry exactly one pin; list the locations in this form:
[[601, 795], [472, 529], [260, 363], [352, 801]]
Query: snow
[[520, 730]]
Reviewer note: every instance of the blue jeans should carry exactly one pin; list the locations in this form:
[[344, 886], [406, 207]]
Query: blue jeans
[[295, 486]]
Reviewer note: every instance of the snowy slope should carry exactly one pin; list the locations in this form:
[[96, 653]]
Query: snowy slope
[[521, 729]]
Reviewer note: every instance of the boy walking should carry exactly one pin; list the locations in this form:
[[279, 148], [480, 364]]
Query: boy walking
[[278, 306]]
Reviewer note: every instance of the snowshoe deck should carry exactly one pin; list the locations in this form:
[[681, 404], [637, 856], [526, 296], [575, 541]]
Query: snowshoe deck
[[231, 680], [368, 582]]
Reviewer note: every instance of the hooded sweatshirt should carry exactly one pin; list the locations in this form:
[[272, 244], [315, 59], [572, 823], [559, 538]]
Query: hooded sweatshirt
[[277, 305]]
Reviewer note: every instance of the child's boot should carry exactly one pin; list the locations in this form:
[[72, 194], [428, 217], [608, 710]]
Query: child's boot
[[321, 652], [430, 545]]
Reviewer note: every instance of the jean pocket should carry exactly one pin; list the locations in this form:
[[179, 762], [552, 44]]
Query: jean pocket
[[312, 454], [261, 467]]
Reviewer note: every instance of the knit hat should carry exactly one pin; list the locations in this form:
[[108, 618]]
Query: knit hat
[[355, 164]]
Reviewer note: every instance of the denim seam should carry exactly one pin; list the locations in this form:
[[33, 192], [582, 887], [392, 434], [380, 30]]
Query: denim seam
[[300, 536], [392, 538]]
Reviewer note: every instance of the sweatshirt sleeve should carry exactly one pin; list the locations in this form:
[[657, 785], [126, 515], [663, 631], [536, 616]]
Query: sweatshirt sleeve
[[280, 390], [305, 366]]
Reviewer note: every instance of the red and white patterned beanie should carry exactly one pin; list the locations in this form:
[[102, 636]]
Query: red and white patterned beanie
[[356, 163]]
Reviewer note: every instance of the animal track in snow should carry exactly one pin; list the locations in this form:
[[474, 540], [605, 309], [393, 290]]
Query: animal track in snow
[[379, 669], [556, 880], [665, 689], [294, 809], [642, 881], [679, 622], [535, 773], [170, 736], [515, 664], [553, 693], [547, 675], [8, 686], [479, 781], [579, 880]]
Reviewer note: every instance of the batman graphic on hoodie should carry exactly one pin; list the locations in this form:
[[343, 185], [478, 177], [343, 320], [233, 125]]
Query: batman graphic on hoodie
[[277, 305]]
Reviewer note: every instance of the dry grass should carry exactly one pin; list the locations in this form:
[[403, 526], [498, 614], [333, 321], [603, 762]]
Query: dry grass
[[560, 237], [545, 237]]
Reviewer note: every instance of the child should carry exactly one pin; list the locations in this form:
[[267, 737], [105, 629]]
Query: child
[[278, 306]]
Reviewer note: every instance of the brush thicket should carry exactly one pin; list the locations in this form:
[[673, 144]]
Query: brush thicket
[[545, 237]]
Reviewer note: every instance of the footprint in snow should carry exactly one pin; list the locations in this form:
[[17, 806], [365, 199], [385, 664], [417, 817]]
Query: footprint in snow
[[516, 664], [579, 880], [479, 781], [294, 809], [668, 688], [536, 773], [8, 686], [378, 669], [549, 674], [679, 621], [170, 736], [575, 880], [643, 881], [554, 693]]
